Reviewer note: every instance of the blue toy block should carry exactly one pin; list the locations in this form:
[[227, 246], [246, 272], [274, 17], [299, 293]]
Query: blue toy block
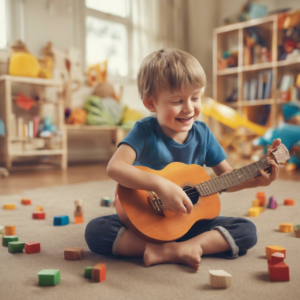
[[61, 220]]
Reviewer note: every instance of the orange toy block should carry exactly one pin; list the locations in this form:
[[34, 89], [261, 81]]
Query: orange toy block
[[253, 211], [261, 197], [279, 271], [286, 227], [25, 201], [39, 208], [10, 230], [9, 206], [289, 202], [255, 203], [73, 253], [78, 219], [99, 272], [273, 249]]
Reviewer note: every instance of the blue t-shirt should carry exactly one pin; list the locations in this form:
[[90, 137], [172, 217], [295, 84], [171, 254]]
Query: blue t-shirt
[[155, 150]]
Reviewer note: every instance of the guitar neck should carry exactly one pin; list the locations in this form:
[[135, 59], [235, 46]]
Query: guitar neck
[[223, 182]]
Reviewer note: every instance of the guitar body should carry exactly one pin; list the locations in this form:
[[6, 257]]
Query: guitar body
[[137, 214]]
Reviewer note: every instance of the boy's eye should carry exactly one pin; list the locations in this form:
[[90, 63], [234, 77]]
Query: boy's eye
[[195, 99], [177, 102]]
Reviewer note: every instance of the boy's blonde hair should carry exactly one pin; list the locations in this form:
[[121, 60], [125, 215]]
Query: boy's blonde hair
[[169, 69]]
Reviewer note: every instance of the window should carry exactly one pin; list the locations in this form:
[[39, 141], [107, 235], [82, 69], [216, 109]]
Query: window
[[3, 36], [107, 34]]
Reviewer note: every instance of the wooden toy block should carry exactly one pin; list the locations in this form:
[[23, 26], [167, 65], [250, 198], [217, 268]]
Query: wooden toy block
[[289, 202], [2, 230], [99, 272], [78, 202], [78, 219], [255, 202], [16, 247], [219, 279], [273, 249], [261, 209], [10, 230], [25, 201], [105, 201], [272, 203], [88, 272], [297, 232], [39, 208], [61, 220], [253, 212], [279, 271], [286, 227], [276, 258], [49, 277], [78, 214], [73, 253], [32, 247], [39, 215], [9, 238], [9, 206], [262, 198]]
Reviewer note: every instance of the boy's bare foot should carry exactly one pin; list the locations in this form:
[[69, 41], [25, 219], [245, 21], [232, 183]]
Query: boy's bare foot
[[184, 253]]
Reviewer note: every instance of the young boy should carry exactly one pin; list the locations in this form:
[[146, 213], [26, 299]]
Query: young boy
[[170, 82]]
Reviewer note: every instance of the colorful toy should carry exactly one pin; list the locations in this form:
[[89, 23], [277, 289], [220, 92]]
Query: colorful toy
[[289, 202], [272, 249], [272, 203], [99, 272], [255, 203], [32, 247], [10, 230], [49, 277], [16, 247], [6, 239], [39, 208], [61, 220], [286, 227], [77, 117], [278, 269], [106, 201], [219, 279], [39, 215], [9, 206], [262, 198], [88, 272], [26, 201], [2, 230], [254, 211], [78, 214], [297, 231], [73, 253]]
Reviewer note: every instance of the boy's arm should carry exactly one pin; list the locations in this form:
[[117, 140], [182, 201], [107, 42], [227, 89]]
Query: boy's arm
[[263, 180]]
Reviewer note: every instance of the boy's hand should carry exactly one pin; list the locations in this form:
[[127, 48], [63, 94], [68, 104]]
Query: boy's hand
[[174, 198], [266, 179]]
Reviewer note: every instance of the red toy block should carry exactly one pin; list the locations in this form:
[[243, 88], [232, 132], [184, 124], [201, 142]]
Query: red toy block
[[32, 247], [276, 258], [40, 215], [289, 202], [26, 201], [261, 197], [279, 272], [99, 272]]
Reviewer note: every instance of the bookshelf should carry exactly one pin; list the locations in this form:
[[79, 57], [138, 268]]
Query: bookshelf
[[16, 145], [241, 75]]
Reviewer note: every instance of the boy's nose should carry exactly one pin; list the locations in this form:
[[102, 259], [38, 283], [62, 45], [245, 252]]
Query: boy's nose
[[188, 107]]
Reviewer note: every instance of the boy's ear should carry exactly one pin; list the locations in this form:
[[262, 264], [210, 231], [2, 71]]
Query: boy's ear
[[149, 104]]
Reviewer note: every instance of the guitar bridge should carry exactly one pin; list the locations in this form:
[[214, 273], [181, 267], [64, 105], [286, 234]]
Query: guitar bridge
[[155, 203]]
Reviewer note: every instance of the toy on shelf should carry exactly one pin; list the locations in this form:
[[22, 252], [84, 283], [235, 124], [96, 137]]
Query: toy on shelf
[[25, 102], [219, 279], [278, 269], [77, 116], [97, 73], [272, 203], [229, 59]]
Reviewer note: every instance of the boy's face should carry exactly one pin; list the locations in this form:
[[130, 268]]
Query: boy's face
[[176, 111]]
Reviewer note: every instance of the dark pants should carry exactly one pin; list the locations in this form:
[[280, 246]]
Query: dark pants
[[103, 234]]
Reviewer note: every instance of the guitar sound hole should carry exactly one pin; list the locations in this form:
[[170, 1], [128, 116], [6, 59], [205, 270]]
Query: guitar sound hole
[[192, 193]]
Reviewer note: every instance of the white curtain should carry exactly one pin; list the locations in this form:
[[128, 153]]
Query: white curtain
[[157, 24]]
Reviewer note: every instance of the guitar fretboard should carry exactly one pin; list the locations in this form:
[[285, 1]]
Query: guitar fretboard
[[233, 178]]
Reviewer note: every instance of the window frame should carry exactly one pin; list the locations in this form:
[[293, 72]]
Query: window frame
[[127, 22]]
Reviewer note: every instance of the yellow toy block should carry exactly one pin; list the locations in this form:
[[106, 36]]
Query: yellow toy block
[[286, 227], [253, 211], [255, 203], [9, 206], [39, 208], [273, 249], [10, 230], [261, 209]]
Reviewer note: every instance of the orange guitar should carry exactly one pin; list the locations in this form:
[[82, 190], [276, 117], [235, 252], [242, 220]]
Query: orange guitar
[[143, 213]]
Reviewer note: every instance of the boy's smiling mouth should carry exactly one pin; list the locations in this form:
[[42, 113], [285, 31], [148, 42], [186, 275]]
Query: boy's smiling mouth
[[184, 120]]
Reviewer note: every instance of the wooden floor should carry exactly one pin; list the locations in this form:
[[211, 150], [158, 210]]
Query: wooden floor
[[21, 181]]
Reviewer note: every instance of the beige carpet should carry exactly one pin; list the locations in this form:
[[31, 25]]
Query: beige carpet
[[128, 278]]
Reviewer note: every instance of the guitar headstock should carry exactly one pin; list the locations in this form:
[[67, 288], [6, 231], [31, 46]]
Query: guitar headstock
[[280, 154]]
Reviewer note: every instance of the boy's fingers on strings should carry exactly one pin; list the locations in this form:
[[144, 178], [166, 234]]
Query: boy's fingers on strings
[[188, 206]]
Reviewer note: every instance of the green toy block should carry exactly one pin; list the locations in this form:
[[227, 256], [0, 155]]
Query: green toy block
[[16, 247], [297, 227], [9, 238], [88, 272], [49, 277]]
